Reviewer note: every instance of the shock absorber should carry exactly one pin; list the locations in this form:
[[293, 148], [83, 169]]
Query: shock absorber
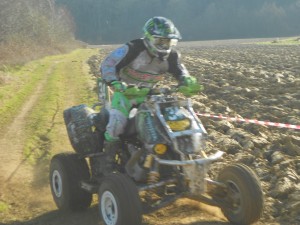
[[152, 165], [153, 177]]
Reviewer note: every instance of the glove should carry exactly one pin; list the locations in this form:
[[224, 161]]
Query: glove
[[118, 86], [137, 95], [134, 92], [189, 86]]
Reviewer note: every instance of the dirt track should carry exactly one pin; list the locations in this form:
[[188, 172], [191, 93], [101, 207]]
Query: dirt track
[[246, 80]]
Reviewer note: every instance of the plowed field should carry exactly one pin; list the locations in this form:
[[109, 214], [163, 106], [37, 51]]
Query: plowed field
[[242, 79]]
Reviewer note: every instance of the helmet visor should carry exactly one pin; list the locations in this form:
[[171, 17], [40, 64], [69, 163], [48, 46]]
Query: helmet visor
[[164, 43]]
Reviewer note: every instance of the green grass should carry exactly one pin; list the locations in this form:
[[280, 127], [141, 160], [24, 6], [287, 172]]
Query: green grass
[[278, 41], [65, 81], [20, 85], [3, 207], [68, 84]]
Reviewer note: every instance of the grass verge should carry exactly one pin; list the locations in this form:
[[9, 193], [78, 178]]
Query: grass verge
[[58, 82], [287, 41], [68, 83], [3, 206], [17, 86]]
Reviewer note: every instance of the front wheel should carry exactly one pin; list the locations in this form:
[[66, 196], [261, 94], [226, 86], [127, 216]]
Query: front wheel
[[243, 197], [119, 202]]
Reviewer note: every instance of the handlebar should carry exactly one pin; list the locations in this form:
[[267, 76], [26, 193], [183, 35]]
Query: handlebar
[[157, 90]]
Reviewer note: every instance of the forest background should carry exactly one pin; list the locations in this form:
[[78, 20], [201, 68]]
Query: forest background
[[33, 28]]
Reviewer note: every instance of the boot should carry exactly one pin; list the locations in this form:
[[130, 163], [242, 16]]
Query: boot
[[97, 163], [110, 151], [104, 164]]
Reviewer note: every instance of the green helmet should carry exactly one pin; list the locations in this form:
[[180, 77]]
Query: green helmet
[[160, 35]]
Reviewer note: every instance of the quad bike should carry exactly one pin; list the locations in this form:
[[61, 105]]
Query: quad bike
[[162, 159]]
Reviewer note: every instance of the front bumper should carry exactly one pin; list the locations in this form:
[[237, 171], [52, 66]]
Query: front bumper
[[202, 161]]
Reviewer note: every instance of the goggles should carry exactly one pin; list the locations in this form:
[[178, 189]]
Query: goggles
[[164, 43]]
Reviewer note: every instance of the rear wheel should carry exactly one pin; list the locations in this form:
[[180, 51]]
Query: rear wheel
[[243, 197], [119, 202], [66, 172]]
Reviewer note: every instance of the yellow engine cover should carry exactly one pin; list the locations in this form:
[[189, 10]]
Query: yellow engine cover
[[179, 125]]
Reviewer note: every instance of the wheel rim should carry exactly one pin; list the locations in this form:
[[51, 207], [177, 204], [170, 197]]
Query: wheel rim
[[109, 208], [57, 183], [234, 196]]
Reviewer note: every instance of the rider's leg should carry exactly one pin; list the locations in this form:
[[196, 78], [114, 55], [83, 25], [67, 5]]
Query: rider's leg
[[104, 163], [118, 115]]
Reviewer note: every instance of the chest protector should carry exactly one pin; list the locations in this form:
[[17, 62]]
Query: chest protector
[[144, 69]]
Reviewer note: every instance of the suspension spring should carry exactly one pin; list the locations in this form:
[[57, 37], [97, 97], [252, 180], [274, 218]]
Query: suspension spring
[[153, 177]]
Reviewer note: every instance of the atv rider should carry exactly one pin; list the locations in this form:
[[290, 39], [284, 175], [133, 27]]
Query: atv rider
[[142, 61]]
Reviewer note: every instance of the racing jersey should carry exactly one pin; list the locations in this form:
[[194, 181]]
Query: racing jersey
[[132, 64]]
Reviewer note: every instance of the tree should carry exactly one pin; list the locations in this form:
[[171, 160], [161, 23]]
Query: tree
[[34, 20]]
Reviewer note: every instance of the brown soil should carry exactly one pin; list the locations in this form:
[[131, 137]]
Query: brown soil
[[241, 80]]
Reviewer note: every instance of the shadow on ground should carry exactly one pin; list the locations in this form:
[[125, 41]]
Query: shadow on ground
[[88, 217]]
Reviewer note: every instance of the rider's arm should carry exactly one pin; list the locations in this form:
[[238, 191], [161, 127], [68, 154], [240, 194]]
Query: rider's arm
[[118, 59], [176, 68], [188, 84], [108, 66]]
